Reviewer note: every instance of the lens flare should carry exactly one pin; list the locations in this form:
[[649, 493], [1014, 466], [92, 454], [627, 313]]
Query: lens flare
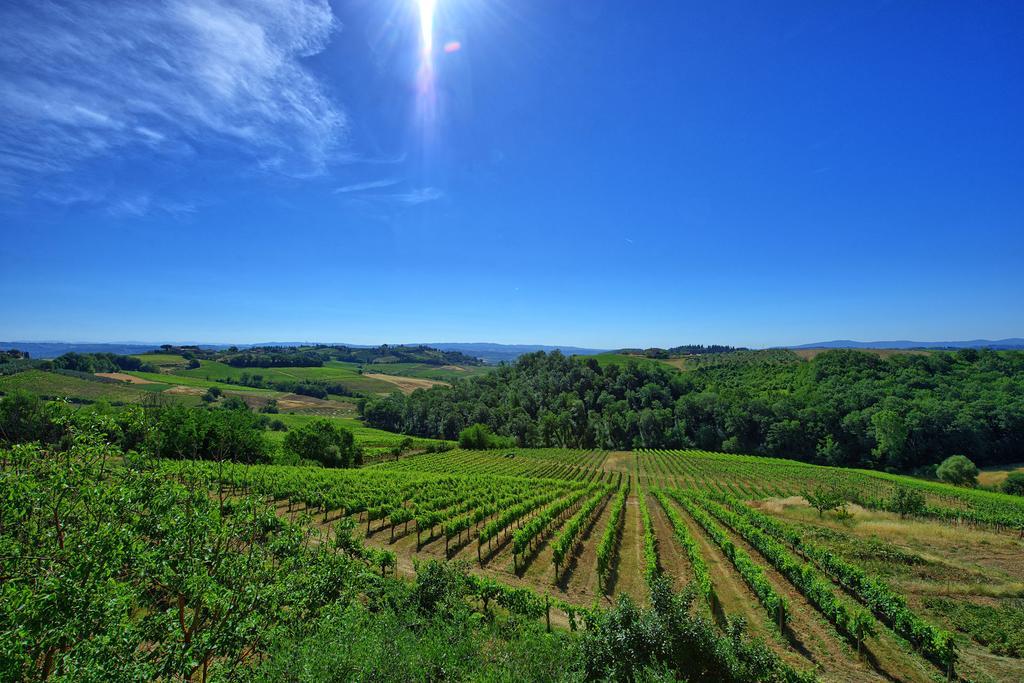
[[427, 8], [426, 101]]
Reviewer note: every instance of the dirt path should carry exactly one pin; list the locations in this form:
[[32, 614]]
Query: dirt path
[[123, 377], [627, 574], [674, 562], [582, 570], [735, 597], [619, 461]]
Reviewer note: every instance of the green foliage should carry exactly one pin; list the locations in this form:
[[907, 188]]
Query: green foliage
[[120, 573], [652, 567], [825, 498], [22, 418], [570, 532], [177, 432], [1000, 628], [959, 470], [907, 502], [846, 408], [751, 572], [1014, 484], [851, 621], [610, 537], [325, 442], [669, 642], [701, 575], [884, 601], [479, 437]]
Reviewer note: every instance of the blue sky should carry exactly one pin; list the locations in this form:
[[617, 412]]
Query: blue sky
[[592, 173]]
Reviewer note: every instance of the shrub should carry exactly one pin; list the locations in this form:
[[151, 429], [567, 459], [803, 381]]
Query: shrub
[[480, 437], [907, 501], [22, 418], [184, 433], [1014, 484], [825, 498], [959, 470], [325, 442]]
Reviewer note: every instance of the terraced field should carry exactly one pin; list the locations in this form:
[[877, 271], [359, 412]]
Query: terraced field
[[857, 596]]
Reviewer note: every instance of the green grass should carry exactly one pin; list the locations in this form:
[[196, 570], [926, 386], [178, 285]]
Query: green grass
[[163, 360], [373, 441], [345, 374], [426, 371], [55, 385], [606, 359], [1000, 629], [173, 380]]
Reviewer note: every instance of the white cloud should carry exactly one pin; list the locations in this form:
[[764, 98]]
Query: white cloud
[[84, 80], [368, 185], [419, 195]]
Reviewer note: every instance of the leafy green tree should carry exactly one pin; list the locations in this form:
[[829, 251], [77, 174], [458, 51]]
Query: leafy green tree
[[907, 501], [178, 432], [825, 498], [480, 437], [959, 470], [22, 418], [1014, 484], [323, 441], [234, 403]]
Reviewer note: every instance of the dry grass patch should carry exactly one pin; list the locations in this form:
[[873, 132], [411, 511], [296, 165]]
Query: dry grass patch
[[120, 376]]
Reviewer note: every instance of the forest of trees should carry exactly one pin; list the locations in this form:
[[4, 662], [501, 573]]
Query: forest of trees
[[684, 350], [848, 408], [314, 356]]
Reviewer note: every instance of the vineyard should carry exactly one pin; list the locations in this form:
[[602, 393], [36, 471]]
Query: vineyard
[[849, 594]]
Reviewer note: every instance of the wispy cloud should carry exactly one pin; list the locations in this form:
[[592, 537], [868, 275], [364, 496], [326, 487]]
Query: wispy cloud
[[419, 195], [82, 80], [368, 185], [362, 193]]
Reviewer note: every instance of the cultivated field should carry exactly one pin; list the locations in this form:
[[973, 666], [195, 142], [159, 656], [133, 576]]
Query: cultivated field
[[860, 595]]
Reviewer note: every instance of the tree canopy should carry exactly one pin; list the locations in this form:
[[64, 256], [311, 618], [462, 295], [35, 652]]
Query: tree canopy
[[959, 470], [843, 407], [324, 442]]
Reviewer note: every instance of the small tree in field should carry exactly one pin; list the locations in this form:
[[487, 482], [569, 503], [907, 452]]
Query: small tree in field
[[323, 441], [825, 498], [959, 470], [907, 502]]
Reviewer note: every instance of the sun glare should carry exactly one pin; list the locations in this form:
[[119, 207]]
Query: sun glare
[[427, 8]]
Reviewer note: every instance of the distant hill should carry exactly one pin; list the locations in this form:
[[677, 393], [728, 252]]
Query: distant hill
[[41, 350], [488, 352], [1001, 344], [496, 353]]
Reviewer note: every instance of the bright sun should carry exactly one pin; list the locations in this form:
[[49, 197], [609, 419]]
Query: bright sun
[[427, 8]]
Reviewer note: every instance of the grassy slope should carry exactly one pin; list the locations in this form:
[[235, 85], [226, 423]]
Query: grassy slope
[[425, 371], [605, 359], [186, 381], [162, 360], [55, 385], [372, 440], [334, 371], [995, 476]]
